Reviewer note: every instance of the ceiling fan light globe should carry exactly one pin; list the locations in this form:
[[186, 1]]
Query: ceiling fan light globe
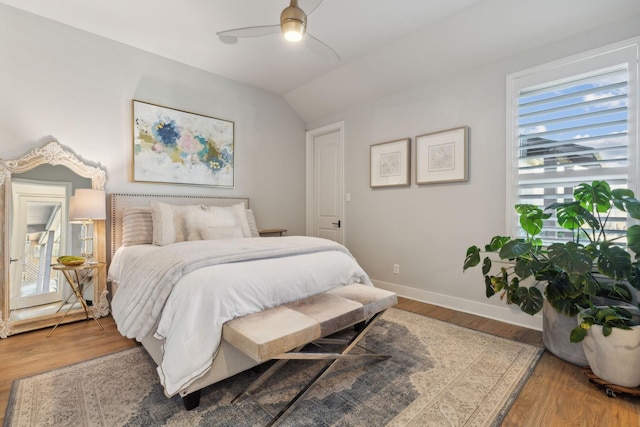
[[293, 35]]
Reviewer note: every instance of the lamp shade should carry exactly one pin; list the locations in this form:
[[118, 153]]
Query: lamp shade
[[72, 210], [88, 204]]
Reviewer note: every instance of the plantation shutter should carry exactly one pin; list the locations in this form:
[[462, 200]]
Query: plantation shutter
[[571, 132], [572, 129]]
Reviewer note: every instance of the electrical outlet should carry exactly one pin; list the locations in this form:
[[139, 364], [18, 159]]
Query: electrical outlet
[[396, 268]]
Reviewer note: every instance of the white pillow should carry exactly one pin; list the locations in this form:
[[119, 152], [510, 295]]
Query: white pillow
[[219, 233], [251, 220], [241, 214], [216, 217], [168, 222]]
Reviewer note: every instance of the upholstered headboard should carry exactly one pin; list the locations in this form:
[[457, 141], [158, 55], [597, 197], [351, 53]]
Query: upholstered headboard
[[119, 201]]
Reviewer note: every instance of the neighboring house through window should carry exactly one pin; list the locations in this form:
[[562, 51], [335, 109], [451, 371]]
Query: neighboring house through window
[[572, 121]]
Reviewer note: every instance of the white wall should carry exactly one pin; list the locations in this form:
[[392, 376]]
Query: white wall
[[426, 229], [76, 87]]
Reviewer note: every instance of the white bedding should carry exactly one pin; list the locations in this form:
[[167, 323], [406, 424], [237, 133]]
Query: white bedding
[[202, 300]]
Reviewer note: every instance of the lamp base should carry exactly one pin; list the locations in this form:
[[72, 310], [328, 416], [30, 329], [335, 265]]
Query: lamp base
[[89, 259]]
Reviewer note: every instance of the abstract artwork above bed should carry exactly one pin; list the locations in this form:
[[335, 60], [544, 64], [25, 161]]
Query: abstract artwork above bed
[[177, 147]]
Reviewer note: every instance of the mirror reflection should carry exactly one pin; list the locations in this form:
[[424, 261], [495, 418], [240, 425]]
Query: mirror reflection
[[33, 274], [37, 239]]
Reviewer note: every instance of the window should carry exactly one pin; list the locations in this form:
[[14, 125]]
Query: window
[[569, 122]]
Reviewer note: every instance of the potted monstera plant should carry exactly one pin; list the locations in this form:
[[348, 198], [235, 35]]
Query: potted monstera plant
[[592, 261]]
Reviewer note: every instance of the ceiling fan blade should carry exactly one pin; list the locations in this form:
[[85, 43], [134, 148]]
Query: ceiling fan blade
[[309, 5], [232, 36], [321, 49]]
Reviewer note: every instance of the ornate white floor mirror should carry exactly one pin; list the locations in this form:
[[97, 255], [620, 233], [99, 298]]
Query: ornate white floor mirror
[[35, 191]]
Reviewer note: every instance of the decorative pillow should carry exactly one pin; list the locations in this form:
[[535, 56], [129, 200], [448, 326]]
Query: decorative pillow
[[251, 220], [168, 222], [215, 217], [137, 226], [241, 215], [219, 233]]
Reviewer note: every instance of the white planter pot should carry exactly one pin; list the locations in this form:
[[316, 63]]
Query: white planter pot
[[616, 358], [556, 329]]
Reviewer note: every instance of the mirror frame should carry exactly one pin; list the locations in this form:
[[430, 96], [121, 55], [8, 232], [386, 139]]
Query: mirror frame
[[51, 153]]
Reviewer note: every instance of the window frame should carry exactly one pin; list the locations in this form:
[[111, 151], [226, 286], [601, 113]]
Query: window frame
[[627, 51]]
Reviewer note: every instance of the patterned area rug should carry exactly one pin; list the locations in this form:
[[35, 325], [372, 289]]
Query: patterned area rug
[[440, 375]]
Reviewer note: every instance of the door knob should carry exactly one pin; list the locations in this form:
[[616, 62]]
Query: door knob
[[337, 224]]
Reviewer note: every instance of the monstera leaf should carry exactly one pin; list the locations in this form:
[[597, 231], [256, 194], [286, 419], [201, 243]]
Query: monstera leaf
[[473, 257], [572, 215], [595, 196], [531, 218], [529, 299], [515, 249], [571, 257], [496, 243], [566, 305], [528, 267], [614, 261], [633, 238], [489, 291], [563, 286]]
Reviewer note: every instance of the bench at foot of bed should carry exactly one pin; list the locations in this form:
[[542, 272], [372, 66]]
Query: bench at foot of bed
[[281, 332]]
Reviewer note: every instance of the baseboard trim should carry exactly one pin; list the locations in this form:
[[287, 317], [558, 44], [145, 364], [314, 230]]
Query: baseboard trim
[[511, 315]]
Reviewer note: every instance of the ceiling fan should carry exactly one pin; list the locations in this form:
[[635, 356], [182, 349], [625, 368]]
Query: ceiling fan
[[293, 25]]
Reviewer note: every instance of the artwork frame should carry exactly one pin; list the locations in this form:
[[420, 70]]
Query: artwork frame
[[390, 164], [173, 146], [442, 156]]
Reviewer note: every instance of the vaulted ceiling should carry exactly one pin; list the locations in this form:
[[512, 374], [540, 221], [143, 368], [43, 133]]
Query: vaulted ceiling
[[385, 46]]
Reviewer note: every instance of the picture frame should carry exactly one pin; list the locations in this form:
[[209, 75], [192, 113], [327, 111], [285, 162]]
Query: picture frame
[[442, 156], [178, 147], [390, 164]]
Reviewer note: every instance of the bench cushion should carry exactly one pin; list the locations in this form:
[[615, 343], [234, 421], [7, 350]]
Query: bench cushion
[[373, 300], [271, 332]]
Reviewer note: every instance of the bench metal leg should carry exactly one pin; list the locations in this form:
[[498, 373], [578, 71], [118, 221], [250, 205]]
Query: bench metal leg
[[261, 380], [332, 359]]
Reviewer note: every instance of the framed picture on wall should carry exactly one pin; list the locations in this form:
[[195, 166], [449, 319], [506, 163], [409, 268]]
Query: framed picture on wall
[[177, 147], [390, 164], [442, 156]]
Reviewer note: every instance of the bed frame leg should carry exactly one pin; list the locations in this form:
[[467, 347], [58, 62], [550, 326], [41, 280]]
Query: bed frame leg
[[191, 400]]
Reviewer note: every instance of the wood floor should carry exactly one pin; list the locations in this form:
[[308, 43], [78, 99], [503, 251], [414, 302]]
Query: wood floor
[[557, 393]]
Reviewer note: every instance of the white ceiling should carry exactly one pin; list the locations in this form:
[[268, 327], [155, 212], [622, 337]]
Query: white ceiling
[[385, 45]]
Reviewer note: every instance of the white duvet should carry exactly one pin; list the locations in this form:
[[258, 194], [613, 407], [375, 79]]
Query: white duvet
[[200, 300]]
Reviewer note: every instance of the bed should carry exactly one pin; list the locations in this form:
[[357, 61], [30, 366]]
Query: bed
[[181, 266]]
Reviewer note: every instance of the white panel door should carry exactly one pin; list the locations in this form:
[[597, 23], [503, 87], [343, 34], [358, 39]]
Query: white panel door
[[325, 198]]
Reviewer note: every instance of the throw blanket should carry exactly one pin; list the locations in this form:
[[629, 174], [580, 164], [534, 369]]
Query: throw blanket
[[144, 289], [190, 289]]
